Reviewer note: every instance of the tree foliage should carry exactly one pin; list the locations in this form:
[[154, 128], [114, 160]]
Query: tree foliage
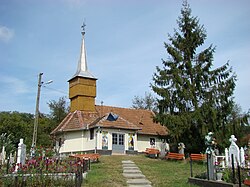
[[58, 109], [147, 102], [193, 97], [6, 141], [21, 125]]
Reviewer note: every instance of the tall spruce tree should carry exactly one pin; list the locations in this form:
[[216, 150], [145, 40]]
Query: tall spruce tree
[[193, 97]]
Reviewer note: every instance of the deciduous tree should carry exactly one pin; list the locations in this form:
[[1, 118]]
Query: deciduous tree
[[58, 109], [147, 102]]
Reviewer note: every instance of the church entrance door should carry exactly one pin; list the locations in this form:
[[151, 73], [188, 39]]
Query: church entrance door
[[118, 143]]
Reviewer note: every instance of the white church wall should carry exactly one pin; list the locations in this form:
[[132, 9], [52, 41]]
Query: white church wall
[[143, 142], [89, 144], [72, 142], [80, 141], [77, 141]]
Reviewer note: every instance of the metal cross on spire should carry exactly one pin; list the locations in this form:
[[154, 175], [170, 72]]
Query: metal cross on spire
[[83, 27]]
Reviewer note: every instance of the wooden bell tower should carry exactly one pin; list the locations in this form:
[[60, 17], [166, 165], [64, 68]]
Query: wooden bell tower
[[82, 86]]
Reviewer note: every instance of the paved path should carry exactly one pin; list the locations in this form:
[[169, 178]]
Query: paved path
[[134, 176]]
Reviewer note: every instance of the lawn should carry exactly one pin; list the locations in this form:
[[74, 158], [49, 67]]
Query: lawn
[[108, 172]]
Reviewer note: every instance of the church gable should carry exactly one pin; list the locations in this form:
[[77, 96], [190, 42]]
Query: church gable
[[114, 121], [143, 119]]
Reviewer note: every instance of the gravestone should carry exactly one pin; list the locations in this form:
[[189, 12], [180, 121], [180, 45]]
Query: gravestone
[[242, 157], [226, 157], [12, 159], [164, 149], [235, 151], [3, 155], [181, 147], [209, 142], [248, 153], [21, 154]]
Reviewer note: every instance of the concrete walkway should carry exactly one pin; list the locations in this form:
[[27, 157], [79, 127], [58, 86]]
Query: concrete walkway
[[134, 176]]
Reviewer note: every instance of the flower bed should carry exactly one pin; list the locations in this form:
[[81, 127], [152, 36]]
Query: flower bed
[[46, 172]]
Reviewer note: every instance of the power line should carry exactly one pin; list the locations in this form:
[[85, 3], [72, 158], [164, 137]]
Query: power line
[[56, 90]]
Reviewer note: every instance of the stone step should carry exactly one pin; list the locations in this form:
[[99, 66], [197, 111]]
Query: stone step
[[134, 175], [127, 162], [131, 171], [143, 185], [129, 167], [138, 182]]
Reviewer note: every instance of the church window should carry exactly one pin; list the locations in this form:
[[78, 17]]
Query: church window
[[91, 134], [114, 138], [152, 141]]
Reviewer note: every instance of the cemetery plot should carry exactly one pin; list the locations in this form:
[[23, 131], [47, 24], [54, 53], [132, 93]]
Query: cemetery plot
[[231, 167], [42, 170]]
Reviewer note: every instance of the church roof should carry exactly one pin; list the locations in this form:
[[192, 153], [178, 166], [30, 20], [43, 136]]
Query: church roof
[[117, 122], [139, 117], [112, 117]]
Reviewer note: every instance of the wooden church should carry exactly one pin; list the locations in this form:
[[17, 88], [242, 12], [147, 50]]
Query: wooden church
[[90, 128]]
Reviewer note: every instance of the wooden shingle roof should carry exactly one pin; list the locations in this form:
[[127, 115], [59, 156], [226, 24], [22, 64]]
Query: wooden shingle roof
[[133, 119]]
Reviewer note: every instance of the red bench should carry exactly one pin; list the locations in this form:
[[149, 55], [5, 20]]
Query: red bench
[[198, 157], [247, 182], [94, 157], [152, 152], [175, 156]]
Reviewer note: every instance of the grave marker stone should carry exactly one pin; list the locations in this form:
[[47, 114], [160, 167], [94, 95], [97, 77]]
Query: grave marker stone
[[209, 141], [181, 147], [226, 157], [21, 154], [242, 157], [234, 150], [3, 155]]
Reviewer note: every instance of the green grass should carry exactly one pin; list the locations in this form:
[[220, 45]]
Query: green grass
[[108, 172]]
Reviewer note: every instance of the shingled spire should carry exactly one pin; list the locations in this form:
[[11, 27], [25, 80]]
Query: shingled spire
[[82, 86]]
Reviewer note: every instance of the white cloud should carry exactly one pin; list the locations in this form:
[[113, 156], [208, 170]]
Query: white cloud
[[14, 85], [6, 34]]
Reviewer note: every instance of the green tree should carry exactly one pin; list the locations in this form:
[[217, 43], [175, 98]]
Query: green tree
[[6, 140], [20, 125], [238, 125], [58, 109], [147, 102], [193, 97], [45, 126]]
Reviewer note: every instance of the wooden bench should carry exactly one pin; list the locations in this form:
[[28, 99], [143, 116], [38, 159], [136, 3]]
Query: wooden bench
[[94, 157], [198, 157], [247, 182], [175, 156], [152, 152]]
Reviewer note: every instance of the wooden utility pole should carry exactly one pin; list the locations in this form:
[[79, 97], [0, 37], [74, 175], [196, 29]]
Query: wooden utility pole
[[33, 146]]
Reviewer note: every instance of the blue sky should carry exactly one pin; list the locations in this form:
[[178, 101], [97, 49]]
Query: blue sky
[[124, 43]]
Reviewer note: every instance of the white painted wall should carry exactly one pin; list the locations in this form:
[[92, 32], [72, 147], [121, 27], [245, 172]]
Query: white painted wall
[[78, 141], [72, 142], [143, 142]]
